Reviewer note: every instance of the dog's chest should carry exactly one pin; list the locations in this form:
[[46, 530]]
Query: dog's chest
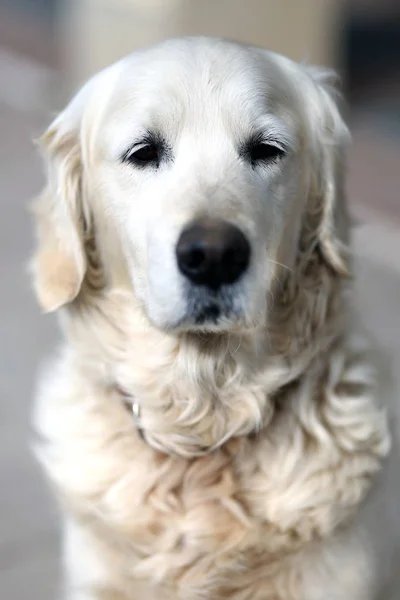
[[222, 525], [200, 525]]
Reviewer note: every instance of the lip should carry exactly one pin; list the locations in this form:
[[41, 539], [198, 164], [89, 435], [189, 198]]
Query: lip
[[210, 313]]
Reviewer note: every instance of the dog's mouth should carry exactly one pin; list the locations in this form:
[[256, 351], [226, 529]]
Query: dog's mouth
[[212, 311], [209, 314]]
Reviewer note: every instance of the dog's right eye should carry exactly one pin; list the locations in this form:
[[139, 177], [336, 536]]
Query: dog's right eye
[[146, 154]]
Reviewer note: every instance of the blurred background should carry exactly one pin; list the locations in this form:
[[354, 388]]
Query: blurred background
[[49, 47]]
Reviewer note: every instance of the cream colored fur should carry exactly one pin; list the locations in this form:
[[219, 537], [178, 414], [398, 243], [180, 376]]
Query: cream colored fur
[[264, 434]]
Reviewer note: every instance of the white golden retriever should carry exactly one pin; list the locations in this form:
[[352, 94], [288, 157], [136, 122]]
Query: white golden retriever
[[213, 425]]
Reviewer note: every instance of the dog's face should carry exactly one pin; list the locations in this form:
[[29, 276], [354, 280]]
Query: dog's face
[[194, 163], [199, 168]]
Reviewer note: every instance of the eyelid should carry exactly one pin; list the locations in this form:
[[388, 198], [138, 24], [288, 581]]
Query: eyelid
[[275, 143], [140, 145], [275, 129], [134, 148], [268, 139]]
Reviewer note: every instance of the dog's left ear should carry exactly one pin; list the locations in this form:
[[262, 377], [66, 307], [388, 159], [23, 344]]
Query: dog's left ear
[[327, 204]]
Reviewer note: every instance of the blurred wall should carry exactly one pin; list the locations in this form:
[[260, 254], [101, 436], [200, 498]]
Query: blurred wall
[[98, 32], [27, 28]]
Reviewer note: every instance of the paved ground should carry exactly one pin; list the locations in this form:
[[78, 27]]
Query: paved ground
[[28, 523]]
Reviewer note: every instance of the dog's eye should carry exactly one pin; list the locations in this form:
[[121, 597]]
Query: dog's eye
[[144, 155], [264, 152]]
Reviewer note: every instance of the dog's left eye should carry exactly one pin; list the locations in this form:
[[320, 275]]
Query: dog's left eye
[[264, 152]]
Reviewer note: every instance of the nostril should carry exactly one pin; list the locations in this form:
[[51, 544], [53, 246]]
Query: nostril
[[228, 263], [195, 259], [229, 258], [234, 262]]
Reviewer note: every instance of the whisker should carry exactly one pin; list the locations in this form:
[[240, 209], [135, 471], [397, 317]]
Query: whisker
[[238, 348], [270, 305], [275, 262]]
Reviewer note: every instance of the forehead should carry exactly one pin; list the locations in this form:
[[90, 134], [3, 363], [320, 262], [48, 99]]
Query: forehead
[[196, 85]]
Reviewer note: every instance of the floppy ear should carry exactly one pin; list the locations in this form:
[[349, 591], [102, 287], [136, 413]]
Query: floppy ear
[[327, 206], [59, 263]]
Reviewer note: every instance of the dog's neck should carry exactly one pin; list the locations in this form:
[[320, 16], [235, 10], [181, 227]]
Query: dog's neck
[[195, 392]]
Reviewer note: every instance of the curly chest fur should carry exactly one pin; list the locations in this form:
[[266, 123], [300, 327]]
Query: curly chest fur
[[199, 525]]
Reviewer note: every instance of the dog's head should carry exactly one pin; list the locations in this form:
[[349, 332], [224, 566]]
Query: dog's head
[[192, 171]]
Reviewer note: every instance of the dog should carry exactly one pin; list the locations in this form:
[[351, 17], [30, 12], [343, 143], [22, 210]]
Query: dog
[[214, 424]]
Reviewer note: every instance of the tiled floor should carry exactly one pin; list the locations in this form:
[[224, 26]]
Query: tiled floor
[[28, 523]]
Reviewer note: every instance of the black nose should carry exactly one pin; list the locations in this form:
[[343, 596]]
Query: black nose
[[212, 253]]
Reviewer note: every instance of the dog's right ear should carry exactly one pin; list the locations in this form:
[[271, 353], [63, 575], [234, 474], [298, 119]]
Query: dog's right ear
[[62, 215], [59, 263]]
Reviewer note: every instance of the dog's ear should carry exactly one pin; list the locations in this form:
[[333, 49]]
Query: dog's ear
[[59, 263], [62, 213], [327, 203]]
